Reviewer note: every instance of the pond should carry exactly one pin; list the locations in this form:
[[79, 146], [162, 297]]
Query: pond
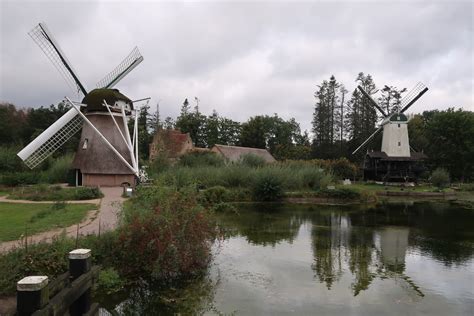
[[391, 259]]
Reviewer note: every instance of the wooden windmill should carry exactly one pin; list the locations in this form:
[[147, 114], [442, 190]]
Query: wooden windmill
[[107, 154], [396, 161]]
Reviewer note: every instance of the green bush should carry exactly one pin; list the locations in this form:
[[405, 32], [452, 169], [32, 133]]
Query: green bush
[[109, 281], [9, 161], [342, 168], [267, 187], [340, 193], [252, 160], [234, 176], [159, 164], [44, 192], [87, 193], [214, 195], [440, 178], [200, 159], [58, 170], [19, 178]]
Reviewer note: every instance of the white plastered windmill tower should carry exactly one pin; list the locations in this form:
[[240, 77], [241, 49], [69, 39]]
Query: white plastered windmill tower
[[107, 154], [396, 161]]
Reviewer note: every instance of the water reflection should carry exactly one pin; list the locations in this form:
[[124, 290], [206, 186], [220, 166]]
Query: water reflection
[[332, 260], [369, 243]]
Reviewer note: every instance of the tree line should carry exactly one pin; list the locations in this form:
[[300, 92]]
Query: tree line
[[340, 123]]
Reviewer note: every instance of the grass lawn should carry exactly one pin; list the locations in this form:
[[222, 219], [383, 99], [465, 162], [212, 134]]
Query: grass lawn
[[15, 217]]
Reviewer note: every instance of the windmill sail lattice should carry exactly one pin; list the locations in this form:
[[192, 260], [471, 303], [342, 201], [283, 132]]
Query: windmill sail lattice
[[44, 39], [51, 139], [127, 65]]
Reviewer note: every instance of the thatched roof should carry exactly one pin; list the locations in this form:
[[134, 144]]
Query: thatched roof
[[95, 98], [233, 153]]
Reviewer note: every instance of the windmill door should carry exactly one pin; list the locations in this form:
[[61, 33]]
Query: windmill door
[[78, 178]]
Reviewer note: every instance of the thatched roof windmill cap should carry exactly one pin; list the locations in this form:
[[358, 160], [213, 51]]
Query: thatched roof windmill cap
[[95, 98]]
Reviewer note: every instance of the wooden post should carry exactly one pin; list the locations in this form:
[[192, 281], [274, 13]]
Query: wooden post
[[80, 263], [32, 294]]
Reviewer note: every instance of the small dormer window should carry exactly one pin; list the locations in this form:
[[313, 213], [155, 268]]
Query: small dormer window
[[84, 145]]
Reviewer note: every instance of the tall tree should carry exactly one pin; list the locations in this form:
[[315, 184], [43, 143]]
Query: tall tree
[[361, 116], [192, 123], [391, 98], [326, 118]]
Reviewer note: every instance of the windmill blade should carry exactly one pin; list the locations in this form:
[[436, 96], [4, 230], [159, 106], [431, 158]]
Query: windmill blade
[[51, 139], [372, 101], [413, 96], [128, 64], [368, 139], [45, 40]]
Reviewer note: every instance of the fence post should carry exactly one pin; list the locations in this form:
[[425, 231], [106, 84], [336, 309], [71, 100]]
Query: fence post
[[32, 294], [80, 263]]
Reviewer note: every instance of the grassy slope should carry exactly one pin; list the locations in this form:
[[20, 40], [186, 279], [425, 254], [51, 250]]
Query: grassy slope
[[14, 217]]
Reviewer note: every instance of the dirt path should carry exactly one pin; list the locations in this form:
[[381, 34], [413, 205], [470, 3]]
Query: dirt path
[[103, 219]]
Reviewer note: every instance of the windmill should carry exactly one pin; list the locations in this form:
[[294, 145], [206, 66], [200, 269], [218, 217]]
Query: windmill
[[395, 161], [107, 154]]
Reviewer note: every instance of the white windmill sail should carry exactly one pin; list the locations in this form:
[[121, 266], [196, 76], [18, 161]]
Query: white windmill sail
[[51, 139], [128, 64], [45, 40]]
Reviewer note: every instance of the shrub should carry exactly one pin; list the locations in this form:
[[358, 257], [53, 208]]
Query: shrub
[[58, 171], [312, 178], [160, 163], [340, 193], [267, 187], [252, 160], [19, 178], [166, 236], [87, 193], [236, 176], [342, 168], [9, 161], [200, 159], [109, 281], [214, 195], [440, 178]]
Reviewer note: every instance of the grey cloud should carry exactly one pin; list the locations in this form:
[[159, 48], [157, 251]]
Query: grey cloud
[[243, 59]]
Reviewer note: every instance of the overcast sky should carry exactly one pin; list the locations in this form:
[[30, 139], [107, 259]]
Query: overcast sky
[[242, 58]]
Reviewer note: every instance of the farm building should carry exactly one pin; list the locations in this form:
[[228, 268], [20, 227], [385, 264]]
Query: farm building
[[233, 153], [170, 142]]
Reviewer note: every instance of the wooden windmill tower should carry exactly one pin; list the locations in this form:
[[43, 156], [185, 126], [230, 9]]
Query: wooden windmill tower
[[107, 154], [396, 161]]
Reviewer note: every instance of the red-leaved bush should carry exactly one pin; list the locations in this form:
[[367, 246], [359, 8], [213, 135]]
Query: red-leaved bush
[[166, 235]]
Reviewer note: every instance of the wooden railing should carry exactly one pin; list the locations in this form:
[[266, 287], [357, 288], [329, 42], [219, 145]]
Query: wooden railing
[[69, 293]]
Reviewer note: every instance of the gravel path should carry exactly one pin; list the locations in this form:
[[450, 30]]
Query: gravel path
[[103, 219]]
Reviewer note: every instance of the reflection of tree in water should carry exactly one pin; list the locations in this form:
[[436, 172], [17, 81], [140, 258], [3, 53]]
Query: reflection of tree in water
[[360, 260], [329, 236], [262, 226], [194, 297]]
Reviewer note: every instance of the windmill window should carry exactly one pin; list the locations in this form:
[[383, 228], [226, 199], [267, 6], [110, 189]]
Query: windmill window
[[84, 145], [398, 125], [399, 144]]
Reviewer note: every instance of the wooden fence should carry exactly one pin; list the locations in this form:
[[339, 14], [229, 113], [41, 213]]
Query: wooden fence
[[69, 293]]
